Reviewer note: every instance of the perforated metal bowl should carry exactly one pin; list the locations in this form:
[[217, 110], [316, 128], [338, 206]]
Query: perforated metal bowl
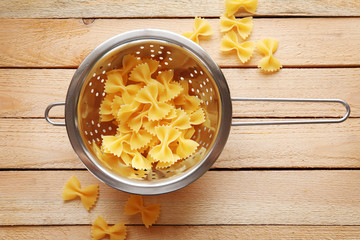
[[190, 63]]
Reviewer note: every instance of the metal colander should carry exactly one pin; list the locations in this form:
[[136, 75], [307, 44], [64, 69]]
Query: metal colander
[[190, 63]]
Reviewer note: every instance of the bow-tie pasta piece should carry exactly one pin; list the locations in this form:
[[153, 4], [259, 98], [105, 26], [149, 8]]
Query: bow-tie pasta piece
[[181, 120], [149, 214], [201, 28], [244, 50], [142, 74], [115, 82], [140, 139], [169, 90], [268, 47], [186, 146], [115, 144], [149, 95], [138, 118], [88, 195], [106, 113], [232, 6], [135, 159], [129, 62], [163, 152], [197, 117], [186, 102], [100, 229], [243, 26]]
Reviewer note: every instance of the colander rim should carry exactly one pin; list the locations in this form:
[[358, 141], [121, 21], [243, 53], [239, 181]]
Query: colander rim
[[152, 188]]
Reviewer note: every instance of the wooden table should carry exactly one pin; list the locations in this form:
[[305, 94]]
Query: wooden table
[[270, 182]]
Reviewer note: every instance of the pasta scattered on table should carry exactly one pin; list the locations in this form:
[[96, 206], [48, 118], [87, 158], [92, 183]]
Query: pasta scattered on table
[[201, 28], [88, 195], [268, 47], [244, 50], [242, 26], [149, 214], [100, 229], [232, 6]]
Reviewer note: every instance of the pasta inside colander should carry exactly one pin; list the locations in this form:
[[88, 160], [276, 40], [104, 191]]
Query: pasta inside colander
[[187, 71]]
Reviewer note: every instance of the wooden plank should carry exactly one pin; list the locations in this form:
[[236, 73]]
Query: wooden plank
[[230, 197], [65, 42], [33, 143], [185, 8], [27, 92], [188, 232]]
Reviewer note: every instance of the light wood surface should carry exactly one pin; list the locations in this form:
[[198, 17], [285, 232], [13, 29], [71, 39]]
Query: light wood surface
[[326, 39], [219, 197], [162, 8], [27, 92], [189, 232], [270, 182], [315, 146]]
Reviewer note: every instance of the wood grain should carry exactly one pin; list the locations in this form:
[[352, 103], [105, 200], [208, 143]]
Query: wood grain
[[33, 143], [65, 42], [188, 232], [230, 197], [27, 92], [185, 8]]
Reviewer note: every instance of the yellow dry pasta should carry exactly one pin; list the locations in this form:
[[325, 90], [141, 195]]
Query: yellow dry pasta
[[140, 139], [244, 50], [268, 47], [243, 26], [154, 115], [149, 214], [169, 90], [197, 117], [149, 95], [128, 63], [162, 152], [142, 73], [88, 195], [100, 229], [115, 82], [186, 146], [232, 6], [201, 28], [188, 103], [115, 144], [106, 113]]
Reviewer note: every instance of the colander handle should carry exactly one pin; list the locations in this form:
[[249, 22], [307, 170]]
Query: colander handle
[[47, 110], [337, 120]]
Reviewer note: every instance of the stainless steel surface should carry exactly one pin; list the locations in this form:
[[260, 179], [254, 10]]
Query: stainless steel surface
[[190, 63], [47, 110], [337, 120]]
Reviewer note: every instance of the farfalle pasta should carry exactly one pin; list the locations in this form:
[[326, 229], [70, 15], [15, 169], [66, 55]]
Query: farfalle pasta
[[232, 6], [242, 26], [149, 214], [244, 50], [201, 28], [88, 195], [268, 47], [101, 229], [155, 117]]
